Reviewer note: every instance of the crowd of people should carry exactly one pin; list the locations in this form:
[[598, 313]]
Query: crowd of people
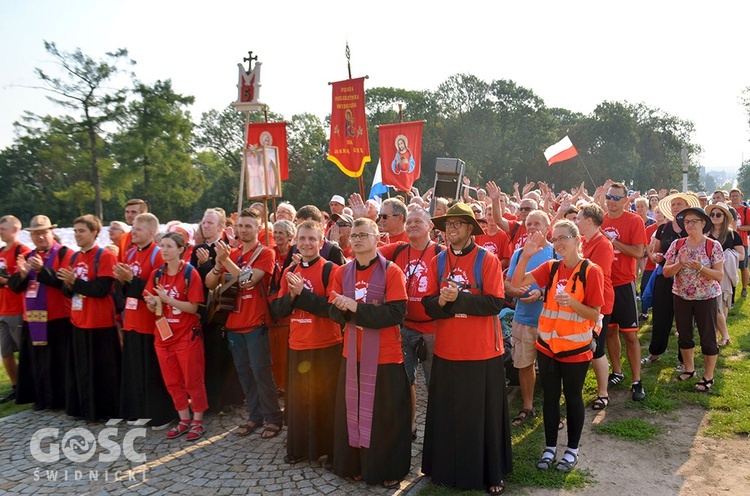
[[342, 311]]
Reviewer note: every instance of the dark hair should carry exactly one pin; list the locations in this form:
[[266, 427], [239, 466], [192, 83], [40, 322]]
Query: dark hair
[[310, 212], [176, 237], [90, 221], [250, 212]]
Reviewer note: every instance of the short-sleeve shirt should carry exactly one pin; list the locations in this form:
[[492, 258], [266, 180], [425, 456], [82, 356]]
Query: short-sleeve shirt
[[180, 322], [528, 313], [10, 302], [600, 251], [498, 244], [517, 234], [650, 230], [689, 284], [628, 229], [390, 337], [253, 307], [137, 317], [93, 313]]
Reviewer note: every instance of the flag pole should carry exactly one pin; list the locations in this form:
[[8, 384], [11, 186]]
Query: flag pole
[[587, 171], [349, 69]]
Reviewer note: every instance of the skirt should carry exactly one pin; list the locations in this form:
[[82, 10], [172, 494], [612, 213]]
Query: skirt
[[41, 369]]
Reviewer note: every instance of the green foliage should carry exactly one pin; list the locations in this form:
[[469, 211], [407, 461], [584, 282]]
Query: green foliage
[[631, 429]]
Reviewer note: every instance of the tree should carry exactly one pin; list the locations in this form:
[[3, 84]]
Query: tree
[[82, 88]]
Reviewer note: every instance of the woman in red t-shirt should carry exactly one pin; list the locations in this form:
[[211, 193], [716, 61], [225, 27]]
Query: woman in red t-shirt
[[566, 331], [177, 288]]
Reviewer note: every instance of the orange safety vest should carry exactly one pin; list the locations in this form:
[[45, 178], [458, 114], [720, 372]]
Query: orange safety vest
[[561, 330]]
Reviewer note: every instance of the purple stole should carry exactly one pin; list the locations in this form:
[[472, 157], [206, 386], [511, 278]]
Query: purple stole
[[360, 398], [36, 308]]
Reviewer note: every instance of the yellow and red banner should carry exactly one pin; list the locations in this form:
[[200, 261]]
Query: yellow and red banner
[[271, 134], [401, 153], [349, 146]]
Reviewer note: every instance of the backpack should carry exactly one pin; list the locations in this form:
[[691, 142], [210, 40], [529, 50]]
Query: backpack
[[188, 271], [131, 254], [578, 276], [709, 246], [478, 261], [117, 297], [401, 248]]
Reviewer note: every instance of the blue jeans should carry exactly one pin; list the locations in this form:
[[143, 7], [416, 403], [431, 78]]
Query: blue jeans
[[409, 339], [251, 352]]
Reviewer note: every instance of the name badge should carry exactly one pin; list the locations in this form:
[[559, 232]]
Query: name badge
[[131, 303], [76, 302], [32, 290]]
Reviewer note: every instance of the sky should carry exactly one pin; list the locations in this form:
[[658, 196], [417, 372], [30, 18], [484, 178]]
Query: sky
[[685, 58]]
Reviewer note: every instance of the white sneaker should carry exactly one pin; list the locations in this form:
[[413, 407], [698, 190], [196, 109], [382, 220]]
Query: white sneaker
[[680, 368], [161, 427]]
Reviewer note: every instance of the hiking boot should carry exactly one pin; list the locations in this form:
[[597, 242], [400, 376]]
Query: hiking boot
[[639, 393]]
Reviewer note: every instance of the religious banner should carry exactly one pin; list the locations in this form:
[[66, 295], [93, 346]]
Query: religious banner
[[262, 175], [349, 147], [271, 134], [401, 153]]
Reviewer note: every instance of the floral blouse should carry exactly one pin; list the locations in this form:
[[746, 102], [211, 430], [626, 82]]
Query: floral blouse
[[689, 284]]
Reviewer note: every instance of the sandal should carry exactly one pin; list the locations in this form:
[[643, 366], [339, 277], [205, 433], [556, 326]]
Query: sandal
[[704, 385], [196, 431], [565, 465], [247, 429], [394, 484], [600, 403], [546, 462], [614, 379], [271, 431], [685, 376], [178, 430], [524, 415], [497, 489]]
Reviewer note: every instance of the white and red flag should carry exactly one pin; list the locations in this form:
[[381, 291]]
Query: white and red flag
[[560, 151]]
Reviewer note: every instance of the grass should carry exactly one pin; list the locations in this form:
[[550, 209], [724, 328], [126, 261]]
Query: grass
[[8, 408], [631, 429]]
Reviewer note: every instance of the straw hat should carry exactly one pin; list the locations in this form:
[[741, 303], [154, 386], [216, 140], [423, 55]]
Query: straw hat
[[665, 204], [463, 212], [721, 206], [40, 223]]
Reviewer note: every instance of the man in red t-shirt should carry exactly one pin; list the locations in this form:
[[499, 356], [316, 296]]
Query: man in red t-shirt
[[515, 229], [743, 226], [392, 220], [11, 304], [495, 240], [133, 208], [628, 236], [251, 266], [468, 367]]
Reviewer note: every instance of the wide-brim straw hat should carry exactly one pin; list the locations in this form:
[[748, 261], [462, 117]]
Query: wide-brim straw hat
[[461, 211], [665, 204], [40, 223]]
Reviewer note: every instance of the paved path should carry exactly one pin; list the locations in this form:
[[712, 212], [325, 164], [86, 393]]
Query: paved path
[[220, 463]]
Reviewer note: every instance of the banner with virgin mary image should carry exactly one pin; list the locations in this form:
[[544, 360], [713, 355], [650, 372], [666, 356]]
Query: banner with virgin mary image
[[401, 153]]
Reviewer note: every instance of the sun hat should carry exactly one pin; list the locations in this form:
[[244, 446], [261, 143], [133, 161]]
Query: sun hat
[[40, 223], [665, 204], [721, 206], [462, 211], [337, 199], [697, 211]]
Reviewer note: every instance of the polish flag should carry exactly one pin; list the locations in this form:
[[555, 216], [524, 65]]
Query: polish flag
[[562, 150]]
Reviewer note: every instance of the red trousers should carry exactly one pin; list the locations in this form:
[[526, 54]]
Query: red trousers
[[183, 369]]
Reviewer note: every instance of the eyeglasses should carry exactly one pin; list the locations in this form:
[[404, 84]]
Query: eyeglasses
[[343, 224], [525, 209], [692, 222], [454, 224], [614, 197], [386, 216], [561, 238], [477, 212], [360, 236], [716, 214]]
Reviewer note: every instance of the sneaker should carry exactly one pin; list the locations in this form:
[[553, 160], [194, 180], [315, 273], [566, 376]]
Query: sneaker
[[10, 397], [615, 379], [643, 317], [161, 427], [639, 393], [649, 359], [744, 293], [680, 368]]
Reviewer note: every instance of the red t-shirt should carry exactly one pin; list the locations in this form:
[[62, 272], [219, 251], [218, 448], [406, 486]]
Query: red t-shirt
[[87, 312], [11, 303], [518, 238], [58, 306], [137, 317], [180, 322], [262, 237], [593, 296], [742, 220], [308, 331], [650, 230], [390, 337], [253, 307], [599, 250], [468, 337], [498, 244], [395, 238], [126, 242], [415, 266], [628, 229]]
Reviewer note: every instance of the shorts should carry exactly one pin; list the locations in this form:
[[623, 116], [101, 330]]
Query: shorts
[[625, 311], [601, 341], [743, 262], [10, 334], [409, 339], [524, 339]]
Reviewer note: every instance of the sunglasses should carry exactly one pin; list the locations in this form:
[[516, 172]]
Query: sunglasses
[[716, 214], [614, 197], [343, 224], [386, 216], [525, 209]]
